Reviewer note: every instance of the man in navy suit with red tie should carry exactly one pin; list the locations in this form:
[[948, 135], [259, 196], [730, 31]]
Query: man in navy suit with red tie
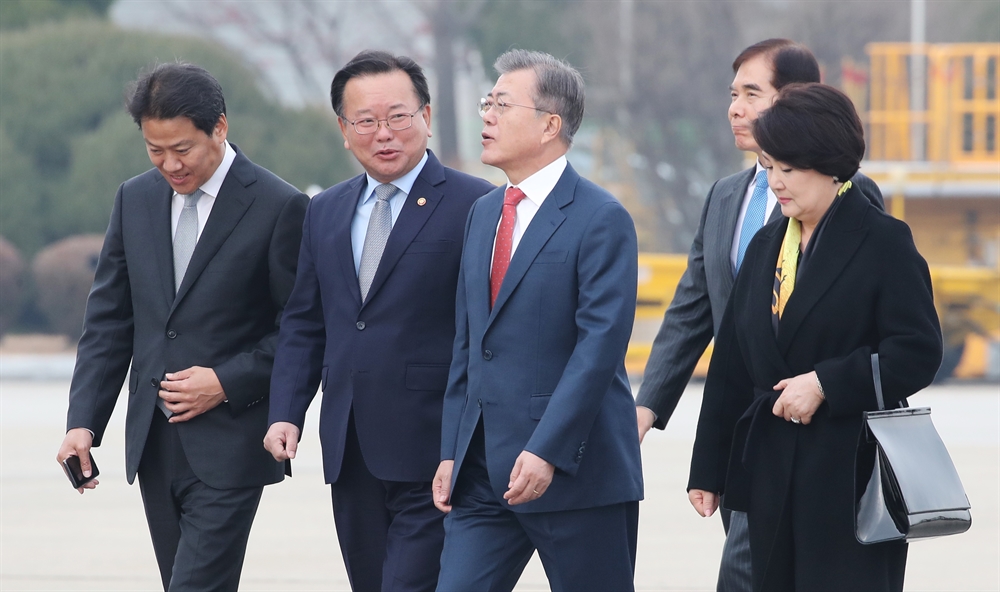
[[372, 321], [539, 447]]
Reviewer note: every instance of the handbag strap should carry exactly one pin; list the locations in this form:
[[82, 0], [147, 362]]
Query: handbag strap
[[877, 375]]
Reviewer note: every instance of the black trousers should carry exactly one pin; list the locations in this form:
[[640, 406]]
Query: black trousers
[[199, 533]]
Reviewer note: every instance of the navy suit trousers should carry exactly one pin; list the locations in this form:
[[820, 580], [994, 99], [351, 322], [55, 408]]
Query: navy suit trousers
[[390, 532], [487, 545]]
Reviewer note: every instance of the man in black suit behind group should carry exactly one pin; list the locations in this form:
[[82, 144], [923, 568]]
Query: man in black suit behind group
[[197, 264]]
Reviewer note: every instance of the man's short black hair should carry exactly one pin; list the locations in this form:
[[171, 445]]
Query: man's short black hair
[[370, 62], [174, 90], [813, 127], [791, 62]]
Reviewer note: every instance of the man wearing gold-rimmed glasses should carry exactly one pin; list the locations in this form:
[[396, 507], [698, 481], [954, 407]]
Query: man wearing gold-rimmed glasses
[[372, 322]]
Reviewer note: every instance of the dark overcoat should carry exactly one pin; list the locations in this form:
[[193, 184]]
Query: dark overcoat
[[866, 289]]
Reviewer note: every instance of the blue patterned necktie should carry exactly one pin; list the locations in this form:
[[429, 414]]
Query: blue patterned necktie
[[754, 218]]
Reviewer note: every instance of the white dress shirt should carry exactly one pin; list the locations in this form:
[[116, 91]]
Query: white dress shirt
[[210, 188], [536, 188]]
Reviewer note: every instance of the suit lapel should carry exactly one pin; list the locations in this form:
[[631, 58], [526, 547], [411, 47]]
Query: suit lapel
[[230, 206], [775, 214], [410, 220], [547, 219], [342, 215], [479, 252], [727, 227], [841, 238], [762, 288], [731, 214], [162, 240]]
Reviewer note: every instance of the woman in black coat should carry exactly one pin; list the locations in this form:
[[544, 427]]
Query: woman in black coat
[[817, 294]]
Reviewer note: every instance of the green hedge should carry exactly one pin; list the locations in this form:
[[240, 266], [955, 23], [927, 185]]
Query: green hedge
[[66, 142]]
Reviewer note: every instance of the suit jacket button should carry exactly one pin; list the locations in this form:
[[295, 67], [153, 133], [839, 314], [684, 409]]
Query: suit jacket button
[[171, 334], [480, 401], [487, 355], [360, 325], [154, 382]]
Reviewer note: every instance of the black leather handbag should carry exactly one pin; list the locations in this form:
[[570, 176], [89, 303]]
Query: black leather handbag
[[912, 491]]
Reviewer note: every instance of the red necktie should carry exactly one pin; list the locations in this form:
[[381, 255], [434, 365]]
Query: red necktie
[[505, 241]]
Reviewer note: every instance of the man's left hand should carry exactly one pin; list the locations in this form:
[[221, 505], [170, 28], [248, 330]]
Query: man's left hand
[[191, 392], [529, 479]]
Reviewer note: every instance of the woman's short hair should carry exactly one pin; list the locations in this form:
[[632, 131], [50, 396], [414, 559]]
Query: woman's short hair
[[813, 126]]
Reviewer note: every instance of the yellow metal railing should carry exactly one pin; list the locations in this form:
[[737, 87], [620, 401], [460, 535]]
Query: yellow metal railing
[[967, 299], [960, 121]]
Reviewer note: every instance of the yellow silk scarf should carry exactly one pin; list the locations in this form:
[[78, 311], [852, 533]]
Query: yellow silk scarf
[[788, 262]]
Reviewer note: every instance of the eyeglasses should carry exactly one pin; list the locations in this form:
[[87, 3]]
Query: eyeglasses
[[396, 123], [486, 104]]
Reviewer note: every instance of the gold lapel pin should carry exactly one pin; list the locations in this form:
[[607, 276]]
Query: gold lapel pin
[[422, 201]]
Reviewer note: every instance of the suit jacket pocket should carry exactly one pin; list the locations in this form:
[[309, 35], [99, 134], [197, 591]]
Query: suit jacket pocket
[[538, 405], [427, 377], [438, 246], [551, 257]]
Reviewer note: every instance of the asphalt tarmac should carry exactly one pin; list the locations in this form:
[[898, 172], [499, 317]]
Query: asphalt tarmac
[[52, 538]]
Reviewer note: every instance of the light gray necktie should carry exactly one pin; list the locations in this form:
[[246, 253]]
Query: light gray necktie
[[379, 227], [186, 236]]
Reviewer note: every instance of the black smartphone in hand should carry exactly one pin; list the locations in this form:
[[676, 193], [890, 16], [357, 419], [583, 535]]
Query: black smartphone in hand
[[72, 467]]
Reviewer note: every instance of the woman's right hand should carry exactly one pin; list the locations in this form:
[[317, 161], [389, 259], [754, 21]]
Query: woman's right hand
[[800, 398], [704, 502]]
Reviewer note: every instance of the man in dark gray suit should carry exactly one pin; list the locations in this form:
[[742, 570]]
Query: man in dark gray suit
[[198, 261], [736, 207]]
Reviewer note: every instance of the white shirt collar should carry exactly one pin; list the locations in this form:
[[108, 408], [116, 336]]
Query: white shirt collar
[[214, 183], [540, 184]]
